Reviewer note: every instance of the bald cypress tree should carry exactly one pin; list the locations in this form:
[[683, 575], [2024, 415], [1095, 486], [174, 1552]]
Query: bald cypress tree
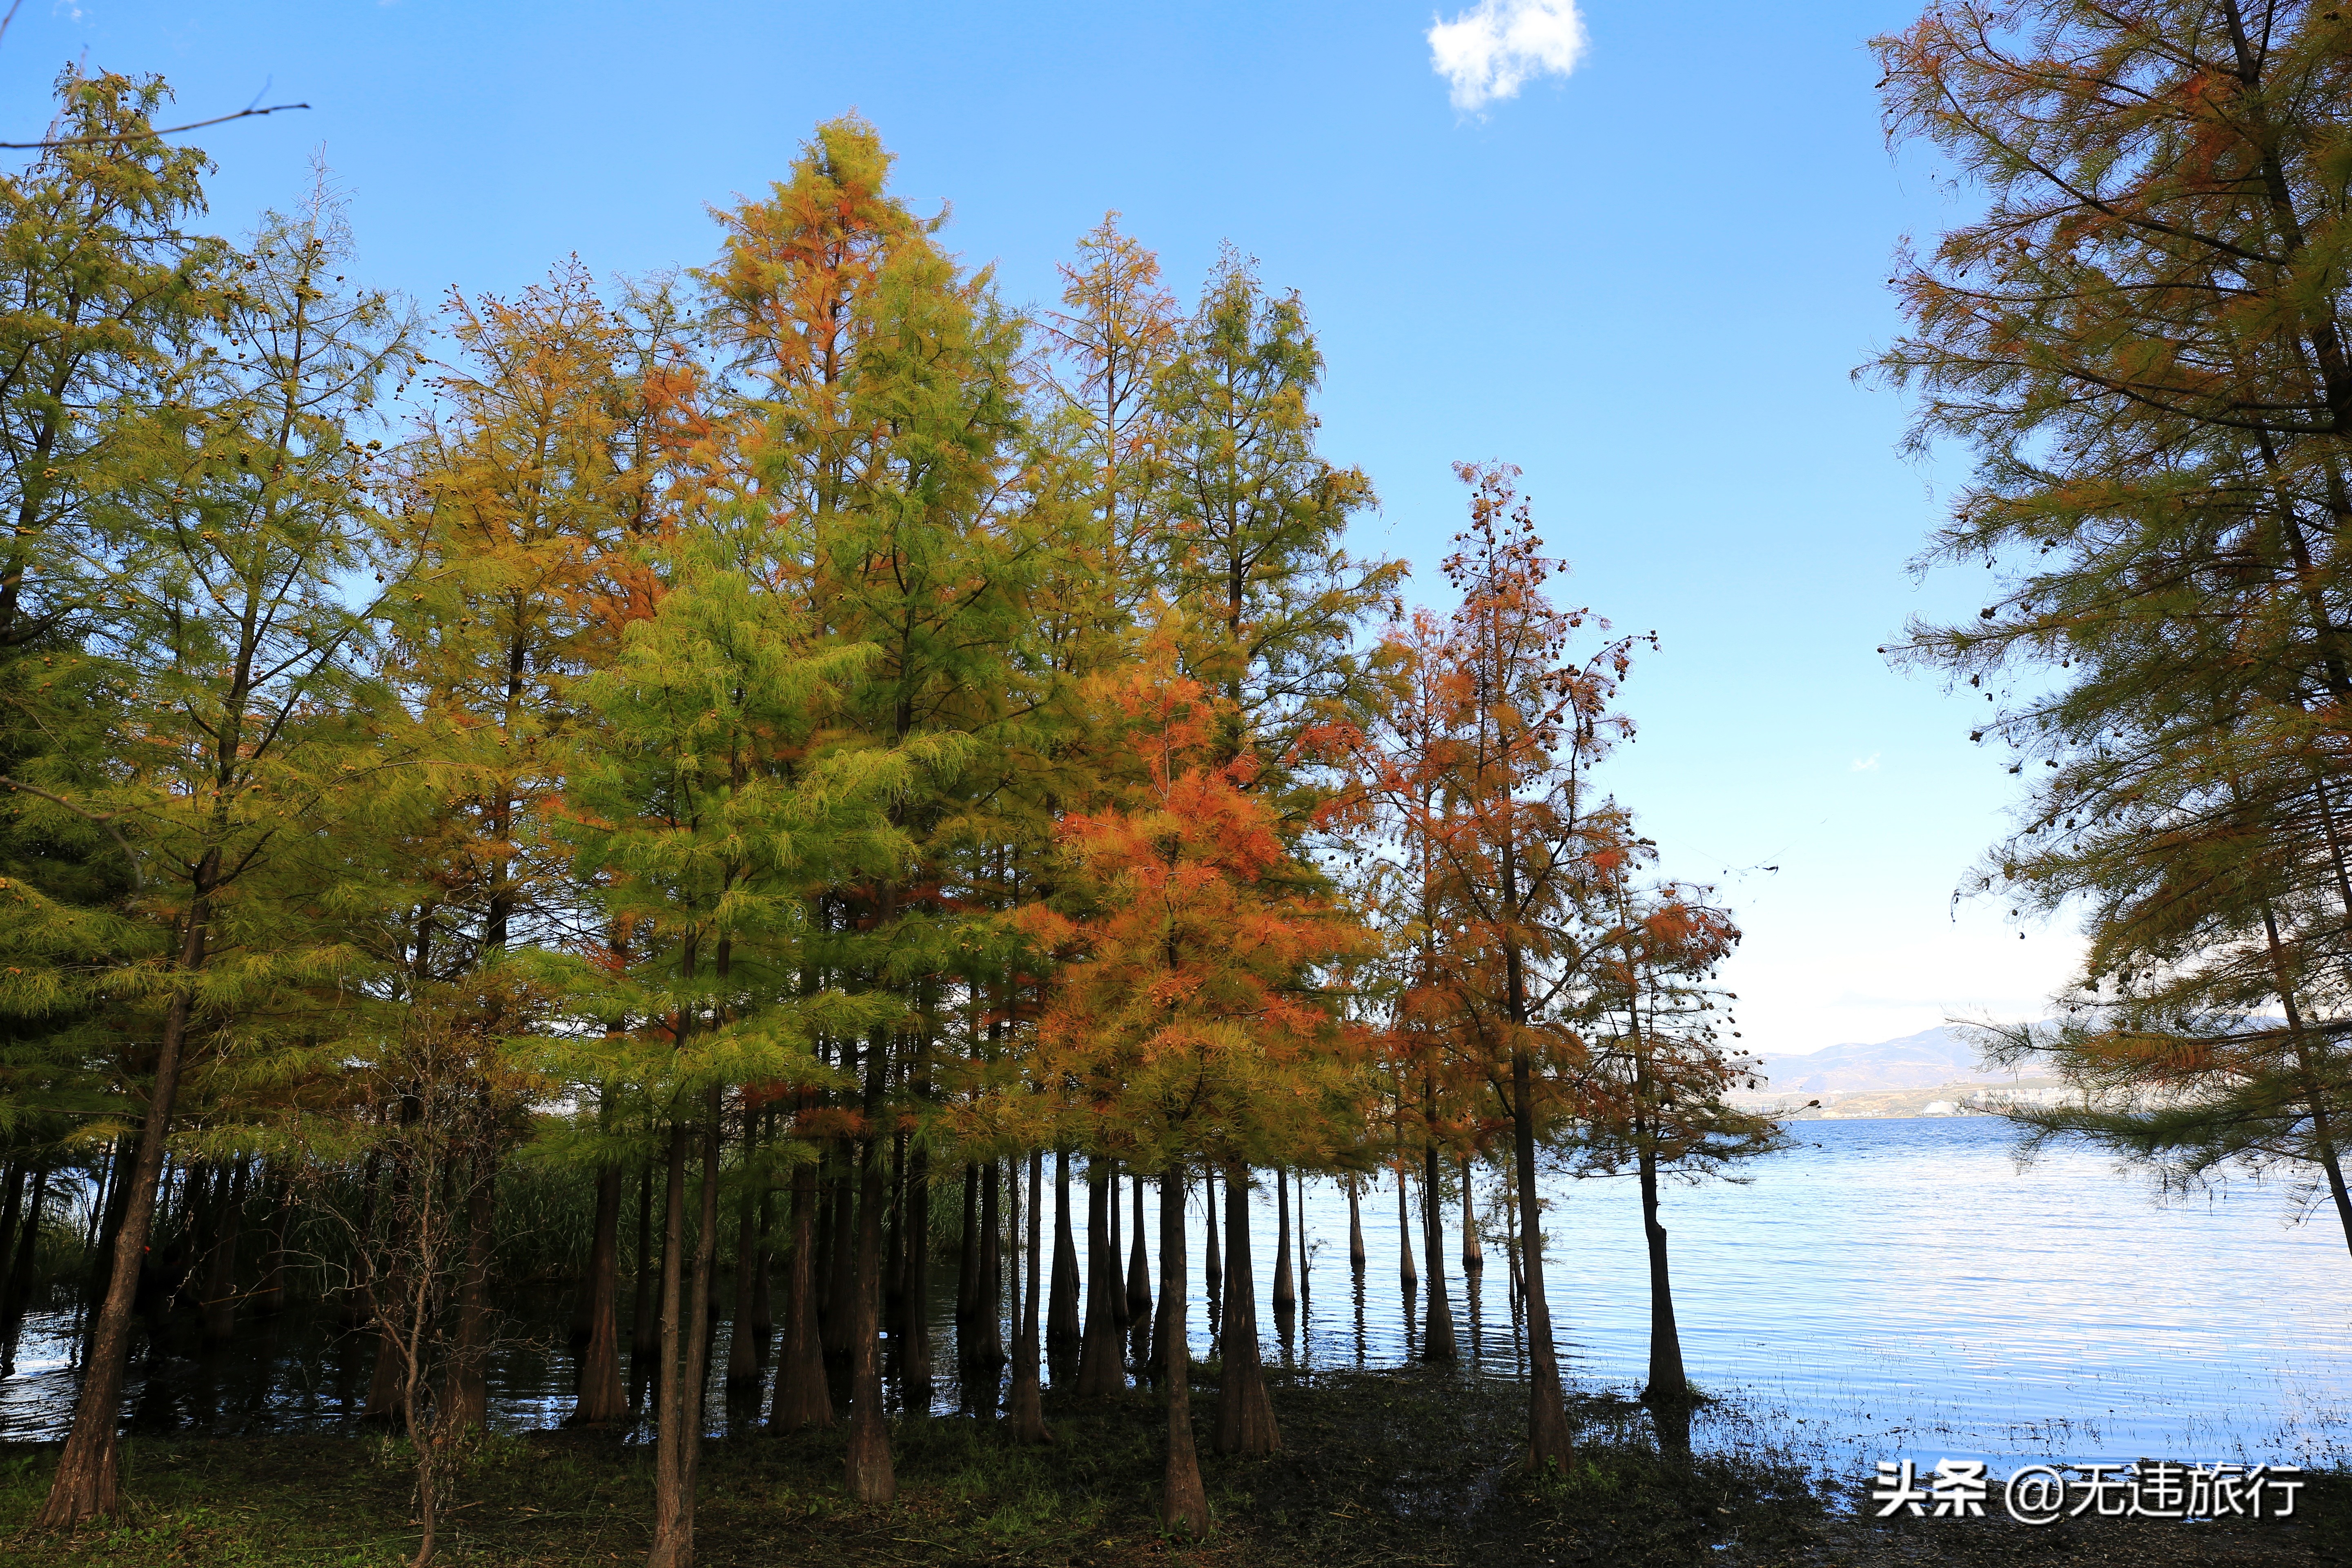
[[2139, 338], [242, 747]]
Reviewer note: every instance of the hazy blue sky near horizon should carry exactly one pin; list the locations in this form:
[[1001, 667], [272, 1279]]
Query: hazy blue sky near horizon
[[1646, 282]]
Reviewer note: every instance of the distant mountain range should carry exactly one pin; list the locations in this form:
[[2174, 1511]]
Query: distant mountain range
[[1924, 1060]]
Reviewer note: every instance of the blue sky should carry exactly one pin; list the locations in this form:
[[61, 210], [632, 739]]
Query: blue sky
[[1645, 281]]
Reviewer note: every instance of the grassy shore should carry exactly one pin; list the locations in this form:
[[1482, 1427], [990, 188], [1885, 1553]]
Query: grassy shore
[[1397, 1467]]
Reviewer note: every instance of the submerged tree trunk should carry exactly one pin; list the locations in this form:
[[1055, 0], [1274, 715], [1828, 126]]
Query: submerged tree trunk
[[1061, 1309], [802, 1397], [987, 1297], [1212, 1271], [967, 1301], [1138, 1290], [1437, 1338], [1099, 1352], [1473, 1256], [1355, 1228], [1549, 1444], [1166, 1330], [220, 1268], [1405, 1271], [872, 1479], [1669, 1388], [742, 1339], [915, 1355], [1026, 1409], [20, 1247], [603, 1400], [1111, 1254], [1244, 1413], [1183, 1500], [840, 1288], [10, 1201], [89, 1480], [1306, 1259], [1286, 1295]]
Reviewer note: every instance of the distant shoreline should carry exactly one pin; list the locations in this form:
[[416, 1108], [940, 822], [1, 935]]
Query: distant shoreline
[[1963, 1098]]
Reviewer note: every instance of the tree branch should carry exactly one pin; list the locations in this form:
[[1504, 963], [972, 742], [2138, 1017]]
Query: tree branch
[[106, 822], [132, 136]]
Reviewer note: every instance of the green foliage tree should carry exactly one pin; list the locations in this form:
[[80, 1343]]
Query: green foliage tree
[[2139, 336], [1248, 538], [241, 744]]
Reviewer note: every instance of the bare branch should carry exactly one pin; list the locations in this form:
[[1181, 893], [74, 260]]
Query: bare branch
[[132, 136]]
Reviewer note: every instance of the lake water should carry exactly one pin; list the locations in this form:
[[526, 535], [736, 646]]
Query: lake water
[[1883, 1290]]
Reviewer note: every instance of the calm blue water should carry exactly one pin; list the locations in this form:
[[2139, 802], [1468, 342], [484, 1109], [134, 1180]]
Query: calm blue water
[[1905, 1289], [1884, 1289]]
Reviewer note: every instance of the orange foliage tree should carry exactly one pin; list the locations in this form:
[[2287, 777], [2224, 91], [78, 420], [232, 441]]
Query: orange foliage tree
[[1196, 1015], [1480, 769]]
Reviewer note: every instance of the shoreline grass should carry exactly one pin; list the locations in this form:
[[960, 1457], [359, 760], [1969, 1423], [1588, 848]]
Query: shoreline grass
[[1410, 1469]]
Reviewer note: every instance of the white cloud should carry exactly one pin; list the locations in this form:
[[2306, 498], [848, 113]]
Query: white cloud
[[1868, 764], [1490, 51]]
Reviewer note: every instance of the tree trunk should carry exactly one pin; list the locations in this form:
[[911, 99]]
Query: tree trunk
[[840, 1288], [20, 1255], [763, 1303], [220, 1268], [967, 1301], [1099, 1352], [269, 1296], [89, 1480], [1355, 1228], [1668, 1386], [11, 1203], [1549, 1444], [1244, 1413], [645, 1316], [1306, 1259], [989, 1300], [802, 1397], [696, 1376], [871, 1477], [1165, 1330], [1286, 1294], [1183, 1500], [1405, 1271], [1061, 1309], [742, 1339], [1112, 1254], [679, 1445], [1437, 1338], [1026, 1409], [122, 1171], [915, 1359], [1473, 1256], [673, 1541], [603, 1400], [893, 1250], [1212, 1266], [1138, 1290], [470, 1368]]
